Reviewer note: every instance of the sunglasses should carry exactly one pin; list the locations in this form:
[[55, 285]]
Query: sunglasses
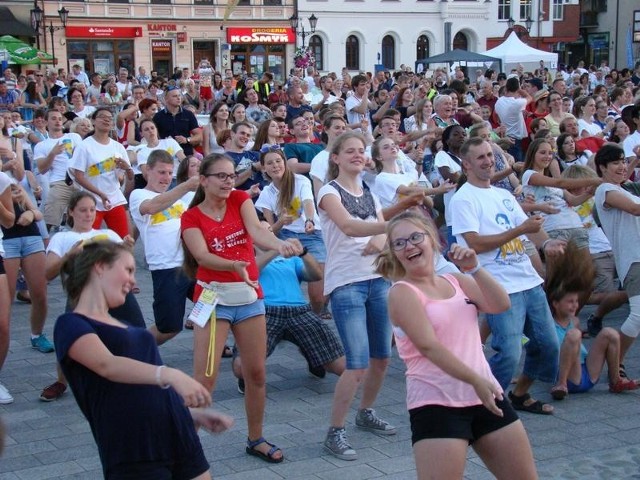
[[270, 148], [172, 88]]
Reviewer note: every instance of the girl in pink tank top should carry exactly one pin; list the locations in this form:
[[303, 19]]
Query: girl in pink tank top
[[452, 397]]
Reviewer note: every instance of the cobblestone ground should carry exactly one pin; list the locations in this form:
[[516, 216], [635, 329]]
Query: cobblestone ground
[[591, 436]]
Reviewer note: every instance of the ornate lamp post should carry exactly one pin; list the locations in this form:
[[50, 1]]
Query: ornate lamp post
[[38, 20], [294, 21]]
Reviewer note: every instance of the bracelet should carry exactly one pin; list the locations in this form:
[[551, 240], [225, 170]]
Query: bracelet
[[544, 244], [308, 220], [164, 386], [305, 250], [473, 270]]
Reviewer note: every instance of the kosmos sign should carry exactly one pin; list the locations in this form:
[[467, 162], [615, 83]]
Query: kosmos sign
[[260, 35]]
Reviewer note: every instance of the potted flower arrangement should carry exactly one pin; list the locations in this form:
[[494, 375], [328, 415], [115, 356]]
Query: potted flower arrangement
[[304, 58]]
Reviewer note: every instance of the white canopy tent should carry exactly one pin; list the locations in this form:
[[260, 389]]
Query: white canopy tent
[[513, 51]]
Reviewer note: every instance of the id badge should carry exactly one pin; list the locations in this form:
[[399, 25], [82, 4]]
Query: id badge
[[204, 307]]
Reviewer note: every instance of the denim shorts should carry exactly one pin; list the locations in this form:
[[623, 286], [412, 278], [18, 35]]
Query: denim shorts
[[313, 242], [235, 315], [360, 312], [22, 246]]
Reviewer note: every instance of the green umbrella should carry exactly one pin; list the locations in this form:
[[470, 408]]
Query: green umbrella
[[22, 53]]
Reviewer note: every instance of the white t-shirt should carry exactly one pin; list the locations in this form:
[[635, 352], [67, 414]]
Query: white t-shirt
[[598, 241], [345, 263], [591, 128], [443, 159], [631, 142], [622, 228], [86, 112], [491, 211], [320, 166], [122, 87], [61, 162], [160, 232], [565, 218], [509, 110], [353, 117], [62, 242], [169, 144], [302, 192], [5, 182], [387, 184], [98, 162]]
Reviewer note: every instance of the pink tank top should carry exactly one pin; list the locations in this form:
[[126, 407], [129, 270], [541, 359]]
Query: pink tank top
[[455, 322]]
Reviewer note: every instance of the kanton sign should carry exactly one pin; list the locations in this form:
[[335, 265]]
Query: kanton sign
[[162, 27], [103, 32], [260, 35]]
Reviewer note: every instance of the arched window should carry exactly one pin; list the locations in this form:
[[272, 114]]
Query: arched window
[[315, 44], [389, 52], [352, 50], [422, 47], [460, 41]]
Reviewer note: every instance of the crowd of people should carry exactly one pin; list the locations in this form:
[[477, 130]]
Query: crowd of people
[[437, 212]]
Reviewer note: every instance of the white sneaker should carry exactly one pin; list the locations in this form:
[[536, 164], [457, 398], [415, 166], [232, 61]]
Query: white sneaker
[[5, 396]]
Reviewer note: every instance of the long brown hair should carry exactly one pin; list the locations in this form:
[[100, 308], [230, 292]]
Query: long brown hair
[[571, 273], [189, 264], [288, 183], [337, 147], [531, 155]]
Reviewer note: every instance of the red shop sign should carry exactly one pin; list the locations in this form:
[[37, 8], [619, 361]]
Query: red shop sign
[[103, 32], [161, 47], [260, 35]]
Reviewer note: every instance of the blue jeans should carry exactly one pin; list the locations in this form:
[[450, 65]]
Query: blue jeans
[[516, 150], [360, 312], [529, 314]]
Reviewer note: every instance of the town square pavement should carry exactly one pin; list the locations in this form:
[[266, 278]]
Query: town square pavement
[[590, 436]]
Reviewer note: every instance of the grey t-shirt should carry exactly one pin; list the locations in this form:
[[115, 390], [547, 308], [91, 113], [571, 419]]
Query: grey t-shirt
[[622, 228]]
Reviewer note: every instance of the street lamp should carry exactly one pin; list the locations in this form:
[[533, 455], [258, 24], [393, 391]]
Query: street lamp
[[528, 22], [294, 21], [38, 20], [63, 13]]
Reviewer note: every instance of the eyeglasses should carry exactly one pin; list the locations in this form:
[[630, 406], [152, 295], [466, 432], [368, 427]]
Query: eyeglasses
[[39, 75], [415, 238], [223, 177], [270, 148]]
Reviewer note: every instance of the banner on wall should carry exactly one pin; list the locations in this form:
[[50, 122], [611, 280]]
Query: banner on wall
[[260, 35]]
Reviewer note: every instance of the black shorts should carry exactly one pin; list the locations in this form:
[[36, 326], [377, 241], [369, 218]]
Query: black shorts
[[467, 423], [185, 469], [2, 270]]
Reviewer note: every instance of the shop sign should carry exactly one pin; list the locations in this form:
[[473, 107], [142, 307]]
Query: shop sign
[[260, 35], [103, 32], [162, 27], [182, 37], [161, 47]]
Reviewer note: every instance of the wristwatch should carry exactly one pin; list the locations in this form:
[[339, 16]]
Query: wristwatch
[[189, 140], [305, 250]]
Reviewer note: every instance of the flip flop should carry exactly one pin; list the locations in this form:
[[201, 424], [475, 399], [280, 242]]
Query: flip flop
[[267, 457], [518, 402]]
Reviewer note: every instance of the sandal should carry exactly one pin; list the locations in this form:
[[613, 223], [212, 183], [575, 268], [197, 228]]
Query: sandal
[[558, 392], [267, 457], [536, 406], [622, 372], [623, 385], [227, 352], [188, 325]]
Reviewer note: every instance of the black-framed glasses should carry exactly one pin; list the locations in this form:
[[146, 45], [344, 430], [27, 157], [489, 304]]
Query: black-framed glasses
[[415, 238], [223, 177], [270, 148]]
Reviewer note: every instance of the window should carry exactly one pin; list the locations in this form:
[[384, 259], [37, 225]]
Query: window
[[352, 50], [558, 9], [315, 44], [272, 2], [525, 9], [422, 47], [389, 52], [460, 41], [203, 2], [636, 26], [504, 9]]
